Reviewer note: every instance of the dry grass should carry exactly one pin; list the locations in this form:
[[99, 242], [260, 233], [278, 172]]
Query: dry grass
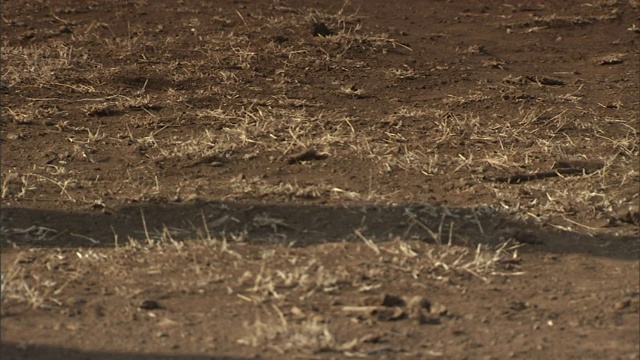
[[256, 275], [20, 287], [280, 335], [241, 123], [249, 93]]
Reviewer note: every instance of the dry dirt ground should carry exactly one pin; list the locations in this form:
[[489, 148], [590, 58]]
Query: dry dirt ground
[[320, 179]]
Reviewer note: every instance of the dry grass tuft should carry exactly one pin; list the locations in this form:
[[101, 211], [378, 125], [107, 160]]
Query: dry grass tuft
[[279, 334]]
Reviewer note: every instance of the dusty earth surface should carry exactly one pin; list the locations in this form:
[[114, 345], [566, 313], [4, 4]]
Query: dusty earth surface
[[319, 179]]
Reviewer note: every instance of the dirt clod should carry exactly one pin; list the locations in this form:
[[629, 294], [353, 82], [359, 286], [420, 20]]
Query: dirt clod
[[149, 305], [392, 301], [307, 155], [320, 29]]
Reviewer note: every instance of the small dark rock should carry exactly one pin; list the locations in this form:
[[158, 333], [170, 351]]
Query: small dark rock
[[543, 80], [392, 301], [150, 305], [280, 39], [307, 155], [527, 237], [320, 29]]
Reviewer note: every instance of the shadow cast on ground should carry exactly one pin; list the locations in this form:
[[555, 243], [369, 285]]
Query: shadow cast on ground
[[11, 351], [300, 225]]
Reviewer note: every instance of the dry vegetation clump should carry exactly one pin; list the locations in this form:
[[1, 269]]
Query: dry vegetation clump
[[274, 283]]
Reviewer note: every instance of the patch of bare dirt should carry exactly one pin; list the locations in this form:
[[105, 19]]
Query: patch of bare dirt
[[294, 179]]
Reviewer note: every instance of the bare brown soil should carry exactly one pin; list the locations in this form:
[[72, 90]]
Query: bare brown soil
[[320, 180]]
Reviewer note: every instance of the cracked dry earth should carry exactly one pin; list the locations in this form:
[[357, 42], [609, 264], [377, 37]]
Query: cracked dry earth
[[320, 179]]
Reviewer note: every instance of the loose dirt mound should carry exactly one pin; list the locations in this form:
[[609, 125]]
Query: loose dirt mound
[[320, 180]]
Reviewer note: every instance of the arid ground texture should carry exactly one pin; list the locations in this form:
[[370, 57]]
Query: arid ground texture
[[320, 179]]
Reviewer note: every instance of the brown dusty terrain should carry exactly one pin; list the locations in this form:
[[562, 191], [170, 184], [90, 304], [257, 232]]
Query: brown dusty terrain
[[320, 180]]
